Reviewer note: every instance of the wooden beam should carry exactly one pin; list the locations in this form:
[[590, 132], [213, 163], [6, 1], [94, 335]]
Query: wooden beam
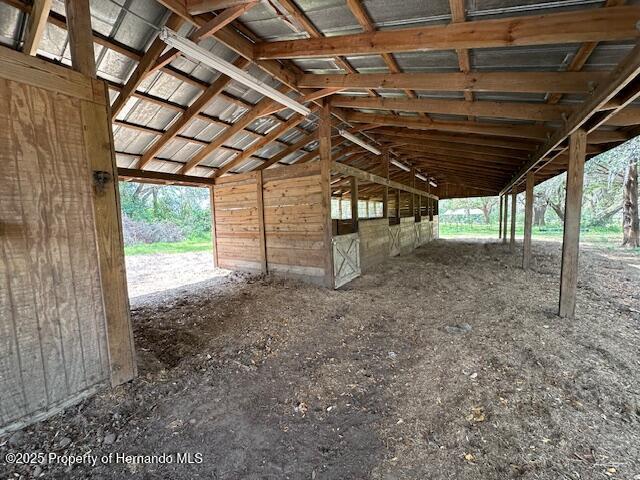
[[500, 217], [528, 221], [80, 37], [198, 7], [512, 110], [501, 130], [385, 192], [349, 171], [163, 178], [518, 82], [571, 235], [324, 135], [36, 26], [620, 86], [256, 146], [98, 141], [504, 218], [208, 29], [144, 66], [353, 182], [239, 125], [262, 231], [194, 109], [610, 24], [512, 242]]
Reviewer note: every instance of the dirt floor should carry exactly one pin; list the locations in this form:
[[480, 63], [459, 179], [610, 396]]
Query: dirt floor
[[448, 363], [148, 274]]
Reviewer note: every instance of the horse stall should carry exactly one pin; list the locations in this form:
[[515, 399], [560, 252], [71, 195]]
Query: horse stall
[[278, 221]]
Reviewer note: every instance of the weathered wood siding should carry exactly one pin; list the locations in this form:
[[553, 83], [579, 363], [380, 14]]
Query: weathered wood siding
[[237, 222], [294, 222], [53, 332], [374, 242]]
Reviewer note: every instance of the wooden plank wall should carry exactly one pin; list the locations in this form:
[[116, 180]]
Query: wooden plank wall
[[294, 222], [53, 340], [374, 242], [237, 223]]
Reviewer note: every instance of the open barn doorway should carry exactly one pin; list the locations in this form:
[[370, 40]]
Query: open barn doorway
[[167, 237]]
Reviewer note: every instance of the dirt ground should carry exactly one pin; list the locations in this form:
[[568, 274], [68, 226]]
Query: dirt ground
[[448, 363], [148, 274]]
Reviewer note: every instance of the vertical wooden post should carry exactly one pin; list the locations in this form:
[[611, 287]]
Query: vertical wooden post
[[108, 226], [106, 201], [412, 198], [385, 191], [419, 214], [571, 236], [354, 204], [512, 242], [324, 137], [528, 221], [500, 219], [80, 37], [504, 218], [213, 226], [398, 205], [262, 234]]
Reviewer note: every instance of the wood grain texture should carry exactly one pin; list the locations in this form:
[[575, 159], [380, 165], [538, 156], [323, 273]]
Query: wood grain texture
[[52, 317], [571, 235], [528, 221]]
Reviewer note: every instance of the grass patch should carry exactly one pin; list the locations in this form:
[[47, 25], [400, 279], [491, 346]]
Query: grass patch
[[186, 246], [606, 237]]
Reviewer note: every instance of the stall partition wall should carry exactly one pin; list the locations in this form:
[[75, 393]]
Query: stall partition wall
[[273, 221], [64, 314]]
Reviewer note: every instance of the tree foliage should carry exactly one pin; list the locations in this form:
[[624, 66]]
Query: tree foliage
[[185, 208]]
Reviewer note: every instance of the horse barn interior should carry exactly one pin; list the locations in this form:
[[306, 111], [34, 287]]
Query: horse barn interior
[[283, 109]]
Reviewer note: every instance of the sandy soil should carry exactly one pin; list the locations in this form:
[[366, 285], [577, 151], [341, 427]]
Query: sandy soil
[[148, 274], [446, 363]]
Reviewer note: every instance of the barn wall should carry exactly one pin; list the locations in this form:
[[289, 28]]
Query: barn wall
[[272, 220], [54, 306]]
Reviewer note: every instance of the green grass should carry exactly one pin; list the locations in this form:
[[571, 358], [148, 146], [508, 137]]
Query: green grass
[[186, 246], [607, 237]]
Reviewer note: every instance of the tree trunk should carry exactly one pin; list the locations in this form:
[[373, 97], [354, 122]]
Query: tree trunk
[[486, 210], [558, 209], [539, 211], [630, 223]]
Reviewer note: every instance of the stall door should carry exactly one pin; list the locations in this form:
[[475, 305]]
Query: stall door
[[346, 258]]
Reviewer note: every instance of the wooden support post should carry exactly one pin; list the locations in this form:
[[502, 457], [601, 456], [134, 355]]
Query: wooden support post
[[385, 191], [398, 205], [500, 219], [106, 201], [528, 222], [504, 218], [213, 226], [354, 204], [419, 214], [262, 234], [108, 226], [412, 198], [512, 242], [324, 149], [571, 237], [36, 26], [80, 37]]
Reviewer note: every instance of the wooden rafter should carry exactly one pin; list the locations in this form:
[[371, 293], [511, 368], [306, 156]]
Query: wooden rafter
[[464, 59], [209, 28], [621, 86], [36, 26], [192, 111], [608, 24], [525, 82], [502, 130], [143, 68], [197, 7]]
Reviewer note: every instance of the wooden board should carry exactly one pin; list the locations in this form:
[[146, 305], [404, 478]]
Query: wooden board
[[346, 258], [53, 333]]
